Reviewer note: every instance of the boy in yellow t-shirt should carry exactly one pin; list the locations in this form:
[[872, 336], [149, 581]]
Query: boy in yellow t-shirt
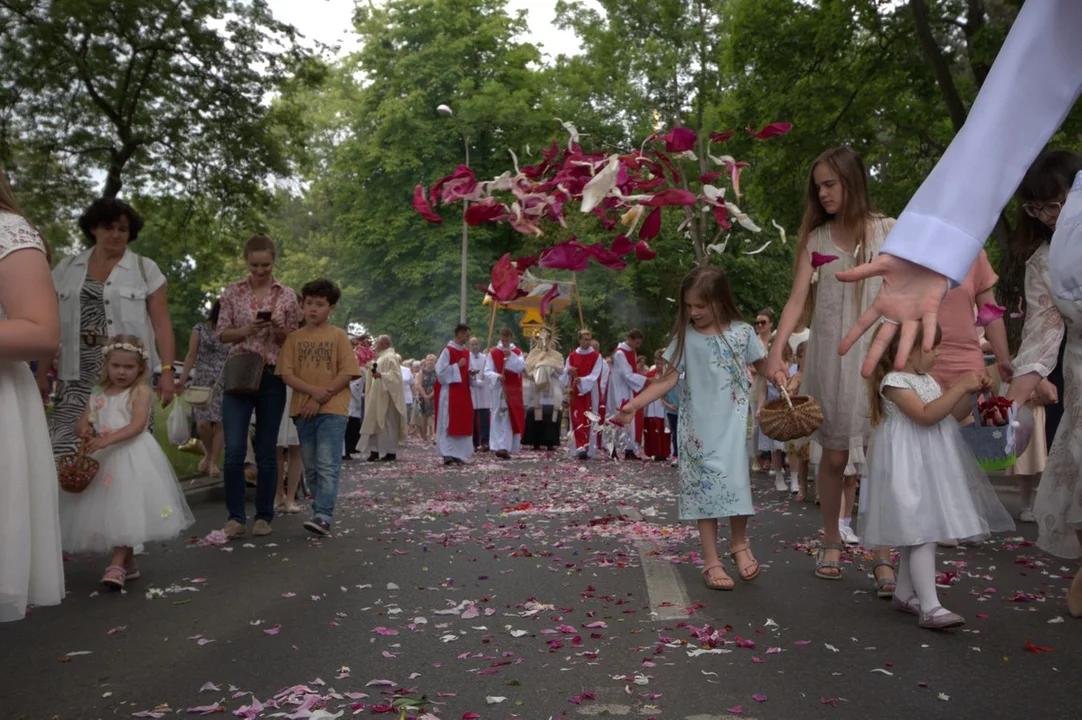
[[318, 363]]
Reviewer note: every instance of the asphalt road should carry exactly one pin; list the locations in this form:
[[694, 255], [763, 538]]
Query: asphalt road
[[535, 589]]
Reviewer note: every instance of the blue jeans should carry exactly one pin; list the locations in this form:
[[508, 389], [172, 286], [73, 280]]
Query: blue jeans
[[236, 417], [321, 454]]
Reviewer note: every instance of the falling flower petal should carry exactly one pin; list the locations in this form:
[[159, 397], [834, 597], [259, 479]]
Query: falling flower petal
[[600, 185], [759, 249], [1020, 312], [670, 196], [452, 188], [488, 210], [818, 260], [651, 226], [679, 139], [422, 206], [621, 246], [989, 313], [505, 278], [568, 255], [548, 297], [781, 231], [721, 136], [643, 251], [741, 218], [771, 130]]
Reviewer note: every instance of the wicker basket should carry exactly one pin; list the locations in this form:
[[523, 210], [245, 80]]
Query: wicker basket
[[76, 471], [788, 418]]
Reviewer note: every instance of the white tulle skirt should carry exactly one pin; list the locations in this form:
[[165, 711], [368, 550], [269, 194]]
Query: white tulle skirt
[[31, 563], [134, 499], [924, 485]]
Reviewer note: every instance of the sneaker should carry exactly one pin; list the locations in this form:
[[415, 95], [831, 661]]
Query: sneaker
[[948, 543], [848, 536], [794, 483], [234, 529], [779, 482], [319, 526], [1027, 516], [262, 528]]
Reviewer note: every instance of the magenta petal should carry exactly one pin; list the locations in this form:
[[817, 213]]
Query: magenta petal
[[606, 258], [771, 130], [568, 255], [679, 139], [721, 216], [759, 698], [709, 177], [505, 277], [548, 297], [643, 251], [670, 196], [651, 226], [721, 136], [989, 313], [487, 210], [818, 260], [621, 246], [455, 186], [421, 205]]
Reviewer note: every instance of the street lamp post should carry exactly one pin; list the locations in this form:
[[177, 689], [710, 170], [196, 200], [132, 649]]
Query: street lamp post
[[446, 111]]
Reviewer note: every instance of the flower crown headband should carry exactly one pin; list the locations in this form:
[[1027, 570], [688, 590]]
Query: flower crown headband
[[127, 347]]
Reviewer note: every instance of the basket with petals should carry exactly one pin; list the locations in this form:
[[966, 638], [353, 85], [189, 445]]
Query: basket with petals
[[790, 418], [76, 470]]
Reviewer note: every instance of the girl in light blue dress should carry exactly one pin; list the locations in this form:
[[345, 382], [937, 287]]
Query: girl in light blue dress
[[712, 348]]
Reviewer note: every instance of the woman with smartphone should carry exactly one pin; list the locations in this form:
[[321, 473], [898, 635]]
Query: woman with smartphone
[[257, 314]]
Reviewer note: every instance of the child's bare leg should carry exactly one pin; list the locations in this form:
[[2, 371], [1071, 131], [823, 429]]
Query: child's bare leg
[[715, 576], [293, 476]]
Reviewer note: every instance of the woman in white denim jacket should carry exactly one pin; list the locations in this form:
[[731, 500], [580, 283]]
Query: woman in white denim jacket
[[105, 291]]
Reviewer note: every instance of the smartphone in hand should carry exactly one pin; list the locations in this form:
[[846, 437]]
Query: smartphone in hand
[[263, 316]]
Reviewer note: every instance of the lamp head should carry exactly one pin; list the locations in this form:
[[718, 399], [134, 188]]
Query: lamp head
[[444, 110]]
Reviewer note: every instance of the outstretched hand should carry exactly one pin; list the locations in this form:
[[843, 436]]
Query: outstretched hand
[[910, 294]]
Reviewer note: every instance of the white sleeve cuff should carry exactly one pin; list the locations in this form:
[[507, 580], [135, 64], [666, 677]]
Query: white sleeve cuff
[[934, 244]]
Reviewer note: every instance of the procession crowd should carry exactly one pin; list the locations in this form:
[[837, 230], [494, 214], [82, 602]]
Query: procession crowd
[[275, 385]]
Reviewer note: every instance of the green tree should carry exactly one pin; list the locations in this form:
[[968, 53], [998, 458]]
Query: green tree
[[165, 93]]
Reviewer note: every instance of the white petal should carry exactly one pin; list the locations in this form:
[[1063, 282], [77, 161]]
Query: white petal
[[759, 250], [780, 230], [741, 218], [601, 185]]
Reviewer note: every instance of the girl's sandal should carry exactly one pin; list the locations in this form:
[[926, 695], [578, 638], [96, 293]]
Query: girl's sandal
[[884, 586], [821, 563], [722, 582], [114, 577], [749, 570]]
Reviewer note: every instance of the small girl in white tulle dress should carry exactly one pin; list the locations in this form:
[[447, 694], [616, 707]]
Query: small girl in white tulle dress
[[135, 497], [924, 483]]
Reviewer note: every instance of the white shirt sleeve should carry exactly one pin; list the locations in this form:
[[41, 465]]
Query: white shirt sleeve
[[445, 371], [1034, 82], [621, 367], [515, 363], [1065, 255], [589, 382]]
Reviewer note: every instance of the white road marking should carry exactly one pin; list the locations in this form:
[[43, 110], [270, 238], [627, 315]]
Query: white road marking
[[668, 599]]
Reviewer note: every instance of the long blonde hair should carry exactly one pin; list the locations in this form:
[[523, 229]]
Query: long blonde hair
[[885, 366], [713, 285], [855, 211], [144, 367]]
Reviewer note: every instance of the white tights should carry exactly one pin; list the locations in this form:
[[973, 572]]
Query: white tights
[[916, 576]]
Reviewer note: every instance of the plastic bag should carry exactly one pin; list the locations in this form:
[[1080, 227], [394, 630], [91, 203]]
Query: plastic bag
[[178, 427]]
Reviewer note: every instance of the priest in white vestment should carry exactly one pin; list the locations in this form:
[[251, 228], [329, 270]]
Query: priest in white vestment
[[384, 421], [454, 403], [582, 375], [503, 372], [624, 384], [481, 394]]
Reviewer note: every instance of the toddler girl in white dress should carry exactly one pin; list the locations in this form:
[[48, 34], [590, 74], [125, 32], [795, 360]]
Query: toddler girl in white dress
[[924, 484], [135, 497]]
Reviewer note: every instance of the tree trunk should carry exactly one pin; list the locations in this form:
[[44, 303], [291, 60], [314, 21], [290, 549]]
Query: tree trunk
[[955, 107]]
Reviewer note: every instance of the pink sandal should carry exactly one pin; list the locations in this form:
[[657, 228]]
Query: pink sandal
[[114, 577]]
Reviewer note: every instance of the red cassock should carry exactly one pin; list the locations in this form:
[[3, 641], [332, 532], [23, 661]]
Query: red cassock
[[459, 399], [512, 390], [656, 442], [633, 363], [580, 404]]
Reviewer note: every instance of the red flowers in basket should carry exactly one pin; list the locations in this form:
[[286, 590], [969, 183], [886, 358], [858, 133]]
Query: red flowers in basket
[[993, 410]]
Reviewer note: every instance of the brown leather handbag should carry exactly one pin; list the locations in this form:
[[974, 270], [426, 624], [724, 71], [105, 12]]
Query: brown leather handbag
[[243, 371]]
